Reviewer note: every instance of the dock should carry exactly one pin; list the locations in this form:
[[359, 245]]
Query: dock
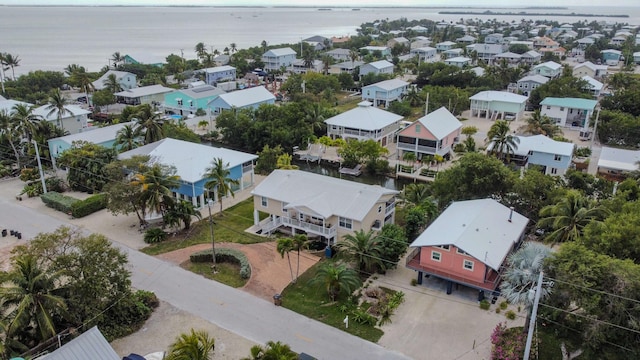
[[356, 171]]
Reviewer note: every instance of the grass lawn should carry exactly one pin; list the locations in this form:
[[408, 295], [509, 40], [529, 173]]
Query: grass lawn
[[348, 103], [230, 227], [313, 302], [228, 273]]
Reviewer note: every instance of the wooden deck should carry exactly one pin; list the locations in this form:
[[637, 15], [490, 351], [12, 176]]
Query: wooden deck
[[356, 171]]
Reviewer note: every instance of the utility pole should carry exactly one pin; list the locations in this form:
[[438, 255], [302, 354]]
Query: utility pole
[[213, 243], [595, 128], [534, 313]]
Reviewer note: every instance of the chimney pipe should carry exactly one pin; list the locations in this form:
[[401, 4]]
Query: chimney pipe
[[511, 214]]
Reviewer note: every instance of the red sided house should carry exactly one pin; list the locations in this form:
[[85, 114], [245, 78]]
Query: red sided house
[[432, 134], [468, 244]]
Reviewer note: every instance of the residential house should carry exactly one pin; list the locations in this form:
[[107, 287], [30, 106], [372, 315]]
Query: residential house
[[384, 92], [590, 69], [345, 67], [8, 105], [126, 80], [419, 29], [530, 82], [498, 105], [618, 40], [383, 50], [320, 206], [376, 67], [103, 136], [442, 25], [188, 101], [250, 98], [495, 38], [299, 66], [191, 161], [144, 59], [550, 69], [617, 163], [214, 75], [398, 41], [452, 53], [89, 345], [467, 39], [544, 42], [74, 120], [420, 41], [511, 58], [569, 112], [445, 45], [486, 52], [611, 57], [274, 59], [585, 42], [528, 44], [339, 54], [425, 53], [594, 86], [459, 61], [531, 57], [566, 27], [365, 122], [432, 134], [468, 244], [636, 57], [550, 156], [318, 42], [152, 95], [222, 59], [478, 71], [558, 51]]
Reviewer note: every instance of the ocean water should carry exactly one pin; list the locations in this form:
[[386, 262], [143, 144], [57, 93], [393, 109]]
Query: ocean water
[[50, 38]]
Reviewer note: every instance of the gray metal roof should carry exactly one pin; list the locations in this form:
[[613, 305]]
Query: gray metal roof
[[440, 123], [95, 135], [364, 117], [144, 91], [388, 85], [619, 159], [245, 97], [91, 345]]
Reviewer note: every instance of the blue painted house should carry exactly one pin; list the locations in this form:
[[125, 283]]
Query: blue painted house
[[188, 101], [384, 92], [242, 99], [553, 157], [191, 160], [218, 74], [611, 56]]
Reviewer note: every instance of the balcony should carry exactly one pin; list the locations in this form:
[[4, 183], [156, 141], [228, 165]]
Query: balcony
[[326, 231], [390, 207], [419, 148]]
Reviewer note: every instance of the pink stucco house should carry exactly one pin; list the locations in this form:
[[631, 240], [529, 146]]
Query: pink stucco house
[[468, 244], [434, 133]]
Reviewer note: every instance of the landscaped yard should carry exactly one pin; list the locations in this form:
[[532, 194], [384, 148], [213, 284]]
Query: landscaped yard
[[230, 227], [227, 273]]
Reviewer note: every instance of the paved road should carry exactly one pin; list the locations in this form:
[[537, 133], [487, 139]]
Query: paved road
[[234, 310]]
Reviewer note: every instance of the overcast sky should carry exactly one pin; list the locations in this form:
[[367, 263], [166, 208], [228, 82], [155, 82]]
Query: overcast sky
[[328, 3]]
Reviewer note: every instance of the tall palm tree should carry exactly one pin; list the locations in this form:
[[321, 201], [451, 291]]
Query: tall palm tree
[[148, 123], [73, 68], [80, 77], [416, 194], [502, 142], [272, 351], [2, 68], [263, 45], [299, 242], [197, 345], [156, 184], [127, 138], [539, 124], [285, 246], [58, 105], [233, 47], [117, 59], [336, 278], [25, 121], [363, 249], [326, 63], [200, 49], [220, 181], [8, 134], [523, 270], [353, 55], [314, 116], [413, 97], [112, 84], [33, 296], [569, 216], [12, 62]]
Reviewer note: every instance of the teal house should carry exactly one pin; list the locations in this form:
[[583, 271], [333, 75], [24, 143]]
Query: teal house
[[104, 136], [144, 60], [611, 56], [188, 101]]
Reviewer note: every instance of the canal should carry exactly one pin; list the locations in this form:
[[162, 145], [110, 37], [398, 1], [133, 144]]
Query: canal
[[327, 170]]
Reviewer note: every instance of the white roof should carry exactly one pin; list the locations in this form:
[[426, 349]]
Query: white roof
[[531, 54], [440, 122], [619, 159], [95, 135], [535, 78], [593, 83], [458, 59], [280, 52], [144, 91], [381, 64], [374, 48], [218, 69], [246, 97], [189, 159], [446, 43], [7, 105], [591, 66], [364, 117], [478, 70], [99, 84], [504, 96], [202, 91], [324, 195], [550, 64], [481, 228], [388, 84], [543, 144], [89, 345], [509, 55], [44, 112], [423, 49], [613, 51]]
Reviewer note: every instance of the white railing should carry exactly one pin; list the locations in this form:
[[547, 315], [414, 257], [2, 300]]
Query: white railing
[[318, 229], [390, 208]]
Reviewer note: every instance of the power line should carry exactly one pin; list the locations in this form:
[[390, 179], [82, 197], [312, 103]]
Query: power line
[[591, 318], [594, 290]]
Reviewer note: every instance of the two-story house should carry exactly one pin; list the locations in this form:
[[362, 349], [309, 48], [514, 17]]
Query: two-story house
[[384, 92], [498, 105], [365, 122], [188, 101], [590, 69], [217, 74], [530, 82], [377, 67], [126, 80], [550, 156], [432, 134], [550, 69], [569, 112], [152, 94], [274, 59]]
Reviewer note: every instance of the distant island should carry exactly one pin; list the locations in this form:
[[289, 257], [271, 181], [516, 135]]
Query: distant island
[[526, 13]]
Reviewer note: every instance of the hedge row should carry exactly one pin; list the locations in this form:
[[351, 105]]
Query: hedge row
[[59, 202], [82, 208], [225, 255]]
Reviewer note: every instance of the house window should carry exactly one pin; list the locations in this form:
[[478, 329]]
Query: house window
[[435, 256], [556, 157], [263, 201], [345, 223], [461, 252], [530, 152], [562, 108], [548, 107], [468, 265], [554, 171], [380, 208], [285, 210], [179, 101], [417, 128], [444, 247]]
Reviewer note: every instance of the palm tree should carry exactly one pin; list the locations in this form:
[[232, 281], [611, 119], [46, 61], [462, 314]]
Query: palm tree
[[184, 211], [314, 116], [58, 105], [197, 345], [308, 56], [73, 68], [156, 184], [299, 242], [200, 49], [326, 63], [362, 248], [127, 138], [12, 62], [2, 69], [25, 121], [8, 133], [34, 297], [117, 59], [569, 217], [541, 124], [208, 60], [285, 246], [112, 84], [81, 78], [148, 123], [409, 157], [413, 97], [353, 55], [523, 270], [263, 45], [272, 351], [336, 278], [415, 194], [220, 180], [233, 47], [501, 141]]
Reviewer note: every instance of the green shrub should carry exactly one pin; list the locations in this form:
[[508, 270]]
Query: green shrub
[[34, 188], [484, 305], [89, 205], [414, 282], [582, 152], [29, 174], [498, 310], [155, 235], [511, 315], [503, 305], [59, 202], [459, 148], [225, 255]]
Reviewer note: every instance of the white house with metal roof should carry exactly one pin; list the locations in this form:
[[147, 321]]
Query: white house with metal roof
[[468, 244], [618, 162], [152, 94], [432, 134], [384, 92], [445, 45], [8, 105], [191, 161], [274, 59], [510, 57], [531, 57], [498, 105], [426, 53], [384, 50], [320, 206], [459, 61], [73, 120], [365, 122], [552, 157], [593, 86], [89, 345], [339, 54], [550, 69], [242, 99], [590, 69], [126, 80], [569, 112], [214, 75], [376, 67], [530, 82], [345, 67]]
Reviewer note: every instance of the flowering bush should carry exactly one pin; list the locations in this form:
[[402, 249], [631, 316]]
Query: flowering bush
[[508, 344]]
